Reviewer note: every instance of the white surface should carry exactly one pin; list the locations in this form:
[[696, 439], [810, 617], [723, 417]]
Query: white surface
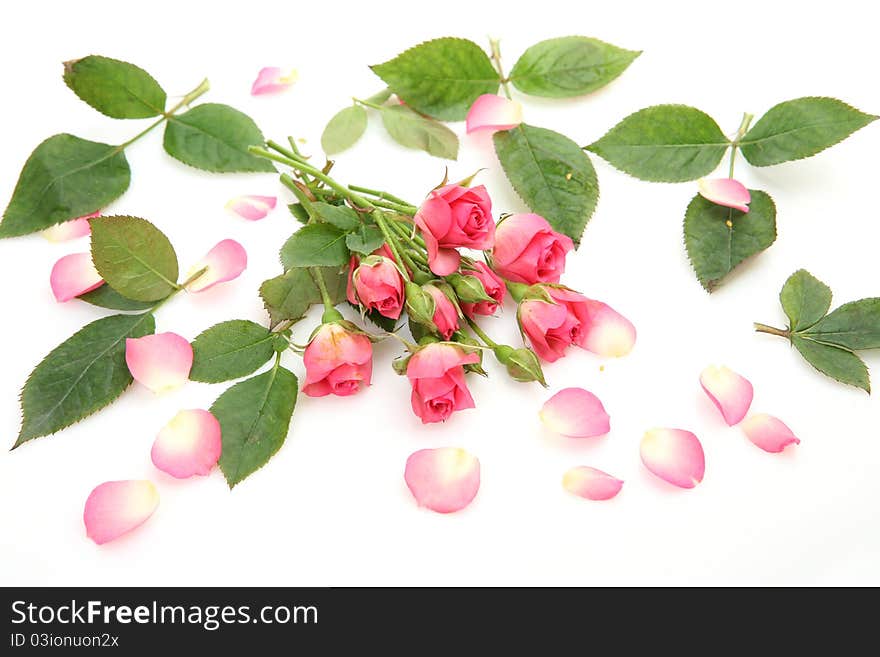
[[332, 507]]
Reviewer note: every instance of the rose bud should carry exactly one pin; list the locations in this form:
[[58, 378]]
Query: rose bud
[[522, 364], [445, 316], [454, 216], [420, 305], [528, 250], [464, 339], [338, 360], [376, 284], [491, 285], [436, 373]]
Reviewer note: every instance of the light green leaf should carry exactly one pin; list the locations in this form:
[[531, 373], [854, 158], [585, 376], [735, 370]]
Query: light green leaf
[[365, 239], [315, 245], [254, 418], [64, 178], [134, 257], [106, 297], [854, 325], [80, 376], [840, 364], [805, 299], [344, 129], [117, 89], [341, 216], [215, 138], [800, 128], [230, 350], [299, 212], [289, 296], [413, 130], [441, 78], [551, 174], [664, 143], [569, 66]]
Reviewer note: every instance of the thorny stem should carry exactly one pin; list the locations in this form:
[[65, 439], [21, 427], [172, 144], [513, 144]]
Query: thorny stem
[[322, 286], [495, 46], [367, 103], [186, 100], [763, 328], [740, 133], [481, 334], [389, 238], [380, 194]]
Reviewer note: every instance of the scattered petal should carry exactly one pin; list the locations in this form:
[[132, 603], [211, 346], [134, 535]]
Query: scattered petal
[[769, 433], [725, 191], [116, 507], [161, 362], [444, 480], [73, 275], [223, 263], [608, 333], [674, 455], [70, 230], [495, 113], [252, 207], [575, 412], [591, 483], [188, 445], [271, 79], [730, 392]]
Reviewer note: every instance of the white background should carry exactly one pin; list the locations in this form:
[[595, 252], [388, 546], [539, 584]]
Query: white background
[[332, 508]]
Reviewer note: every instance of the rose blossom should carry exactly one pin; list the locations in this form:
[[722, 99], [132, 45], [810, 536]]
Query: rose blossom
[[437, 377], [338, 361], [494, 287], [527, 250], [445, 313], [376, 284]]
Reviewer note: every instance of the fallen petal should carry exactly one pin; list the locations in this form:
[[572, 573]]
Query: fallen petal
[[252, 207], [444, 480], [116, 507], [591, 483], [73, 275], [271, 79], [223, 263], [493, 112], [609, 333], [730, 392], [725, 191], [161, 362], [188, 445], [674, 455], [769, 433], [70, 230], [575, 412]]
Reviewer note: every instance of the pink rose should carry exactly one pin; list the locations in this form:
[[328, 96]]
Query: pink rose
[[376, 284], [494, 286], [338, 362], [445, 313], [527, 250], [437, 377], [574, 319], [455, 216]]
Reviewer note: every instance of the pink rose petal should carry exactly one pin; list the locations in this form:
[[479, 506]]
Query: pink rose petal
[[70, 230], [161, 362], [444, 480], [188, 445], [272, 79], [674, 455], [609, 333], [224, 262], [591, 483], [769, 433], [73, 275], [252, 207], [730, 392], [575, 412], [725, 191], [116, 507], [494, 112]]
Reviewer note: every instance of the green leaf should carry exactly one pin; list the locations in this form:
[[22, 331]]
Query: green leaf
[[341, 216], [413, 130], [106, 297], [569, 66], [800, 128], [365, 239], [80, 376], [315, 245], [134, 257], [215, 138], [840, 364], [230, 350], [441, 78], [551, 174], [387, 324], [289, 296], [64, 178], [254, 418], [716, 248], [805, 299], [664, 143], [117, 89], [299, 212], [344, 129], [854, 325]]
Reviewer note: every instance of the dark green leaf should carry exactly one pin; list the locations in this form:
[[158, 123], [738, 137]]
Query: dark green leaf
[[117, 89], [569, 66], [551, 174], [134, 257], [80, 376], [854, 325], [315, 245], [805, 299], [365, 239], [387, 324], [413, 130], [288, 297], [441, 78], [341, 216], [840, 364], [344, 129], [800, 128], [106, 297], [664, 143], [230, 350], [215, 138], [64, 178], [254, 418], [299, 212]]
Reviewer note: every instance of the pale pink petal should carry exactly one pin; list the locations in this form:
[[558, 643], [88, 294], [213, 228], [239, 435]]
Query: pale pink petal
[[223, 263], [188, 445], [769, 433], [444, 480], [725, 191], [160, 362], [272, 79], [446, 262], [591, 483], [116, 507], [252, 207], [70, 230], [730, 392], [675, 455], [494, 112], [73, 275], [609, 333], [575, 412]]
